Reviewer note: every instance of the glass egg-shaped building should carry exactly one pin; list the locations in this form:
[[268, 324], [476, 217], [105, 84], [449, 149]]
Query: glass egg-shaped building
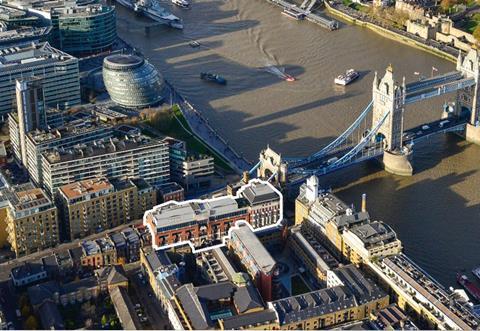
[[131, 81]]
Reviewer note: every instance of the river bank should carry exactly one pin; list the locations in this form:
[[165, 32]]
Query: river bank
[[394, 34]]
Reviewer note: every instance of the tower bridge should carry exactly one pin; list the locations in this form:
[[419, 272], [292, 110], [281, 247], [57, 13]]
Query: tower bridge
[[379, 129]]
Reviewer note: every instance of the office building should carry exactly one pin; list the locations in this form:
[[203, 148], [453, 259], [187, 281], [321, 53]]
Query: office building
[[75, 132], [94, 205], [32, 220], [202, 222], [132, 81], [370, 241], [83, 30], [59, 71], [254, 257], [118, 157], [311, 254], [349, 297], [13, 17], [192, 171], [30, 110]]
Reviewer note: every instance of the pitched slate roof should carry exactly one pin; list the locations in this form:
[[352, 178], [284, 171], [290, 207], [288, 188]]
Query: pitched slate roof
[[246, 298]]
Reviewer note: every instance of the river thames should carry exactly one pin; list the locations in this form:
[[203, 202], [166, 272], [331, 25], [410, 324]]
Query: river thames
[[436, 212]]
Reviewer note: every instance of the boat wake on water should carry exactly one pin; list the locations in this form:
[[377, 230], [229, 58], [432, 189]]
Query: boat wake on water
[[278, 71]]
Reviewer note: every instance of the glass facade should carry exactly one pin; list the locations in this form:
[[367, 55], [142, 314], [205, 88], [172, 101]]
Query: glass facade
[[84, 30], [131, 81], [60, 73]]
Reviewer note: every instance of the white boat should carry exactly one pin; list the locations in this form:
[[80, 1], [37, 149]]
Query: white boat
[[153, 10], [476, 272], [347, 78], [181, 3]]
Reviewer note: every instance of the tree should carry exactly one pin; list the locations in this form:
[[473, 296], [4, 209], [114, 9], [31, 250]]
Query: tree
[[476, 34], [31, 323], [104, 320], [447, 4]]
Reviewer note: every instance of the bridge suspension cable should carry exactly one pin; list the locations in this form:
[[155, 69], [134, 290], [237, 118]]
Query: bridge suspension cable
[[359, 147], [251, 171], [339, 140]]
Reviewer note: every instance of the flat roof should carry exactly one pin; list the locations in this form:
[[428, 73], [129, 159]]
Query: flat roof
[[172, 213], [85, 187], [26, 197], [103, 146], [257, 193], [30, 55], [255, 248], [374, 232]]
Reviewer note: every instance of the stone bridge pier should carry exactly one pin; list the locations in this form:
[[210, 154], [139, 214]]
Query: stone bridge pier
[[389, 96], [272, 165], [469, 98]]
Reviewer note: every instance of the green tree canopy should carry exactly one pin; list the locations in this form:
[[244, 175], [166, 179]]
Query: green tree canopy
[[476, 34]]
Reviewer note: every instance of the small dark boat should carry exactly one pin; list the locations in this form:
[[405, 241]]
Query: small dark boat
[[213, 78]]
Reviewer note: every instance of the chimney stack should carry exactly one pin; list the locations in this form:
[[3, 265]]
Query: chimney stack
[[364, 202], [246, 177]]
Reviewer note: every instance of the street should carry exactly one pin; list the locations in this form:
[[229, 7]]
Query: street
[[157, 319]]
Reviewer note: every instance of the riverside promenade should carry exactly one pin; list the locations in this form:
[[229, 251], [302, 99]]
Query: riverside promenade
[[204, 131], [338, 9]]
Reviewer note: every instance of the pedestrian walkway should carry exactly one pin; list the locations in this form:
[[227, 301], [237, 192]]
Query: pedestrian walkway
[[202, 129]]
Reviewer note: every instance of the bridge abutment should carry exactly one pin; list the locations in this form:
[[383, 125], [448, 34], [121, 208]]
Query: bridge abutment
[[398, 163], [472, 134]]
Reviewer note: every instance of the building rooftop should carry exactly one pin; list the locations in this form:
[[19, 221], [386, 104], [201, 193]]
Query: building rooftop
[[25, 199], [105, 244], [90, 247], [348, 220], [364, 289], [50, 316], [429, 288], [88, 187], [72, 128], [255, 248], [121, 61], [170, 188], [82, 11], [175, 214], [28, 55], [124, 308], [246, 298], [118, 239], [24, 33], [311, 251], [305, 306], [250, 320], [27, 269], [195, 310], [131, 236], [374, 233], [64, 258], [101, 147], [258, 193]]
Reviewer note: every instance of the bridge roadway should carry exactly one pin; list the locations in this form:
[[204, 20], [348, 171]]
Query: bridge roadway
[[325, 164]]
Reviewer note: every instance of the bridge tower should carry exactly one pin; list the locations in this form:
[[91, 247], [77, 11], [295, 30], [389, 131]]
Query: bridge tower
[[469, 97], [389, 97], [271, 164]]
